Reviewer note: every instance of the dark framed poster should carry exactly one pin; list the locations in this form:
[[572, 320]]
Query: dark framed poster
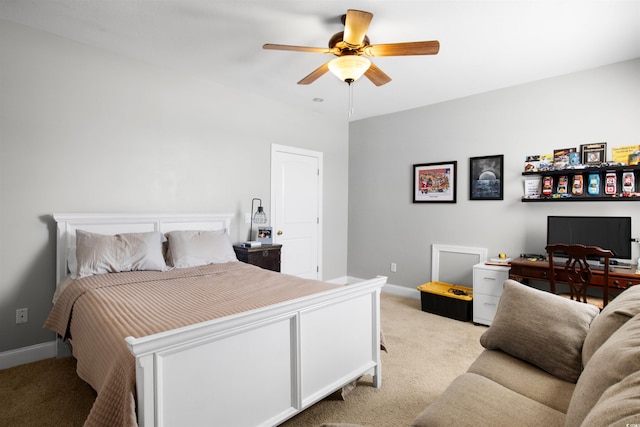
[[485, 178]]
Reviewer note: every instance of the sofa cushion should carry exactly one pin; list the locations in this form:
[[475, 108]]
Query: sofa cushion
[[615, 314], [541, 328], [524, 378], [472, 400], [619, 405], [615, 360]]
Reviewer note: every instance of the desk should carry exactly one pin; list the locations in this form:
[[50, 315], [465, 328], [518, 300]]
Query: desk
[[522, 270]]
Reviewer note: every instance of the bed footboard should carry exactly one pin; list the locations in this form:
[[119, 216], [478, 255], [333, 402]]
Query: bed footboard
[[261, 367]]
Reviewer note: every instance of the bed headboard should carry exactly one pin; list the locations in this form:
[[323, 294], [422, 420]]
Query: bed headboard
[[114, 223]]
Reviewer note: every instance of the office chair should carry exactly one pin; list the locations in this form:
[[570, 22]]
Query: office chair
[[577, 273]]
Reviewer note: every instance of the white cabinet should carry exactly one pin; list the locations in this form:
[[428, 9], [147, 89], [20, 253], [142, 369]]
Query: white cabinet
[[487, 289]]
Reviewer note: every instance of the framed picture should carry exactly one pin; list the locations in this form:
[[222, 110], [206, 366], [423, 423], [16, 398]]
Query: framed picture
[[485, 178], [434, 182], [593, 154], [264, 235]]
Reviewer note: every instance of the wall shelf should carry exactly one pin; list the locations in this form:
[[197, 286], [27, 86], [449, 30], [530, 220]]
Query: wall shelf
[[586, 197], [582, 199]]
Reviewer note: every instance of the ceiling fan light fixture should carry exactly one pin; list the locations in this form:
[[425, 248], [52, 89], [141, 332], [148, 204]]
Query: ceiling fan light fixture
[[349, 68]]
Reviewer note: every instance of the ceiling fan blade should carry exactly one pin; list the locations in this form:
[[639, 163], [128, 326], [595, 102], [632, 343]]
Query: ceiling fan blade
[[376, 75], [356, 25], [401, 49], [271, 46], [315, 74]]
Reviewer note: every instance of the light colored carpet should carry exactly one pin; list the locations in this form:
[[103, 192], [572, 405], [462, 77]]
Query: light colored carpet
[[426, 352]]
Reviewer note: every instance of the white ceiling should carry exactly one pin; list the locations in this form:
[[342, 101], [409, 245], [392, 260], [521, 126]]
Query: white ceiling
[[485, 45]]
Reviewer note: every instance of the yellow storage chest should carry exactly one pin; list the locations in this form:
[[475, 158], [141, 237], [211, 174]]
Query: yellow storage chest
[[446, 299]]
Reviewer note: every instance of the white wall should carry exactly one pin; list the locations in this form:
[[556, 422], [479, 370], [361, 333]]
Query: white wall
[[84, 130], [600, 105]]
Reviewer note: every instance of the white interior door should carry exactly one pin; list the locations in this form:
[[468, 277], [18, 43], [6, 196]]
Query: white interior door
[[296, 206]]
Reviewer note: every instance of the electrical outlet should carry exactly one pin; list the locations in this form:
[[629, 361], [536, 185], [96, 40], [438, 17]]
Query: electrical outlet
[[393, 267], [22, 315]]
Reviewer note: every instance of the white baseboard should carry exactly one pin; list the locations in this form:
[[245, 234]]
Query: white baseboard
[[32, 353], [388, 288], [401, 291]]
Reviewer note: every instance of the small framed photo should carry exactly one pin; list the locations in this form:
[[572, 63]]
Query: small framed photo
[[593, 154], [435, 182], [485, 178], [264, 235]]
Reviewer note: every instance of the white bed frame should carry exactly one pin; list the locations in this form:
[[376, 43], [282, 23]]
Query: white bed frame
[[257, 368]]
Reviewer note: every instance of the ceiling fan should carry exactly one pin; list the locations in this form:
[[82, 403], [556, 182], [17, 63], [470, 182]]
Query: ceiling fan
[[352, 45]]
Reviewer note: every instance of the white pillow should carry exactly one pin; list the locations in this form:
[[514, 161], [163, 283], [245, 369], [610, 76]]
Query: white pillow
[[192, 248], [99, 253], [72, 263]]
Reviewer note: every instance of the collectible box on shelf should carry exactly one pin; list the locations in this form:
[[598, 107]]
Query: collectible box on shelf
[[628, 154], [538, 162], [546, 161], [577, 185], [563, 185], [562, 157], [574, 158], [594, 154], [628, 182], [532, 187], [532, 163]]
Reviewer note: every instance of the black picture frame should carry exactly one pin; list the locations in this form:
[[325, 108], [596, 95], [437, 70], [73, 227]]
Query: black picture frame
[[486, 177], [435, 182], [593, 154]]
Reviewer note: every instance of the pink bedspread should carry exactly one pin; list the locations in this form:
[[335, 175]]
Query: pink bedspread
[[98, 312]]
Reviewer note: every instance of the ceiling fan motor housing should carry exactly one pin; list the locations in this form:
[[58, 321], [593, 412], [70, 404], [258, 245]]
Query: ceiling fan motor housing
[[337, 41]]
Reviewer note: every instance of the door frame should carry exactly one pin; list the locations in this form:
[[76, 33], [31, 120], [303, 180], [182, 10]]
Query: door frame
[[309, 153]]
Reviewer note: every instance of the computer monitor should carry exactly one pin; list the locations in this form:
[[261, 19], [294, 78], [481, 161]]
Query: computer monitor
[[607, 232]]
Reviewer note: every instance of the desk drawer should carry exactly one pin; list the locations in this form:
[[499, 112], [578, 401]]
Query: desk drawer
[[539, 273], [484, 308], [488, 282], [624, 282]]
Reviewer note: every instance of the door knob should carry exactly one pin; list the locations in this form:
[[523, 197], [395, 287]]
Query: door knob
[[279, 233]]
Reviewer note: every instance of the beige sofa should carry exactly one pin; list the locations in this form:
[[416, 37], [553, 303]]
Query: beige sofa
[[549, 361]]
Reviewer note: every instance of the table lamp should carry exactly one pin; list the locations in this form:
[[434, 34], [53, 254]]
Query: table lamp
[[259, 217]]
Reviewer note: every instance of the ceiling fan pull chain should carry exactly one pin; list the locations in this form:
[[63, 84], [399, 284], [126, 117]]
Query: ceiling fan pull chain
[[350, 99]]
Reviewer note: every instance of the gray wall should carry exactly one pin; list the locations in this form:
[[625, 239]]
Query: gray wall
[[84, 130], [600, 105]]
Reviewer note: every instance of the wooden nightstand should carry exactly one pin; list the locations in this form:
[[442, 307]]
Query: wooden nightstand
[[265, 256]]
